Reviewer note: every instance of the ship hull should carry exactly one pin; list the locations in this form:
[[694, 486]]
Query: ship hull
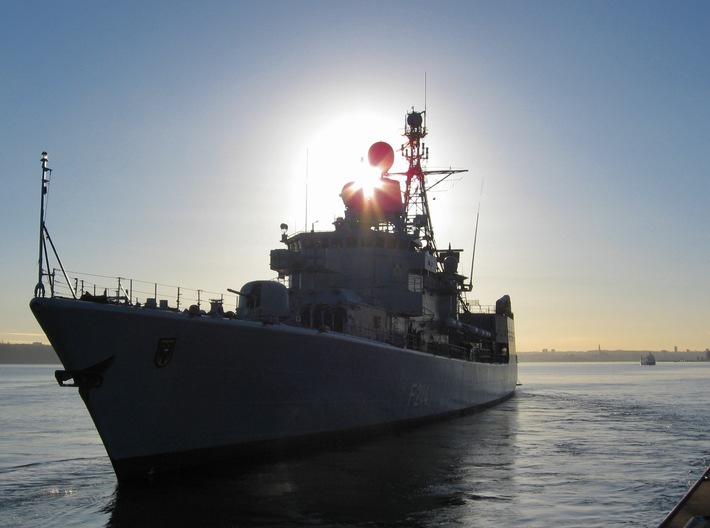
[[167, 390]]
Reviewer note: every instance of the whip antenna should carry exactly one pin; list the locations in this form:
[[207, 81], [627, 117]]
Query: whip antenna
[[475, 238], [305, 224], [424, 93]]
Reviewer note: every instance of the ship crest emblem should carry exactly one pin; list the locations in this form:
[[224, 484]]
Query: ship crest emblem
[[165, 352]]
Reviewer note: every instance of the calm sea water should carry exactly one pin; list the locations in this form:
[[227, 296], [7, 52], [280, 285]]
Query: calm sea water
[[580, 445]]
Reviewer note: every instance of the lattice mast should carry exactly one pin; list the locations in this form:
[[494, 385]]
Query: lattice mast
[[416, 204]]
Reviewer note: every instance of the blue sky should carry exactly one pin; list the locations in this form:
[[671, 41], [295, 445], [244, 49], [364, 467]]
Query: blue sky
[[177, 134]]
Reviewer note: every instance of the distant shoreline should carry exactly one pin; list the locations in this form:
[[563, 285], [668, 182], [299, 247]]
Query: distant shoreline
[[40, 354], [27, 354], [603, 356]]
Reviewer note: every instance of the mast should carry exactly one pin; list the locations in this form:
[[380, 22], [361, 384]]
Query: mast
[[416, 204], [44, 238], [39, 289]]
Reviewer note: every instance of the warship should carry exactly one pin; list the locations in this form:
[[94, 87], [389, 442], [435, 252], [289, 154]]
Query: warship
[[364, 329]]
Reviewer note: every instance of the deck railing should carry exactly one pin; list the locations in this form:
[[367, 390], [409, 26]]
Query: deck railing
[[121, 290]]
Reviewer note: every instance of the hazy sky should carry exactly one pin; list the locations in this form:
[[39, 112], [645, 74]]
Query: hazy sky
[[177, 134]]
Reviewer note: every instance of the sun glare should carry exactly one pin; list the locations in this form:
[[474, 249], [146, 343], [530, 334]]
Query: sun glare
[[368, 183], [333, 157], [367, 178]]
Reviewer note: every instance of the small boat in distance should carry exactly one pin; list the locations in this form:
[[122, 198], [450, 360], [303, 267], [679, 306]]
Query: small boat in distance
[[648, 359], [364, 329]]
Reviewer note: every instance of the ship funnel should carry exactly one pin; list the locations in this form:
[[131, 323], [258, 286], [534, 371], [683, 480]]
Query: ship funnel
[[503, 306]]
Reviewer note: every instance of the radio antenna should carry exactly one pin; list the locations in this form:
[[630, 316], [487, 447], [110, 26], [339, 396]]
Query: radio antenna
[[425, 93], [305, 222], [475, 238]]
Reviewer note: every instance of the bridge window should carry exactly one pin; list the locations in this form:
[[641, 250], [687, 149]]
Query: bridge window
[[416, 283]]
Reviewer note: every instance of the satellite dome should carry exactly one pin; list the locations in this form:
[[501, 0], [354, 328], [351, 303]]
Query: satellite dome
[[381, 155], [414, 119]]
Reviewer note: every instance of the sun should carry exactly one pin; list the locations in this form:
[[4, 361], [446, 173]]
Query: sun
[[334, 156], [380, 158]]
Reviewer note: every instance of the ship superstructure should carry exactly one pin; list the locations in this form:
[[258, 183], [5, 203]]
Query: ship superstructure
[[379, 274]]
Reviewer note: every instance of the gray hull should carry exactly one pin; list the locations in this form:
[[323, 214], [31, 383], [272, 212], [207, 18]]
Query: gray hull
[[167, 390]]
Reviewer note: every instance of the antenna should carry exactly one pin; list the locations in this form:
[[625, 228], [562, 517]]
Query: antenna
[[424, 92], [305, 222], [475, 237]]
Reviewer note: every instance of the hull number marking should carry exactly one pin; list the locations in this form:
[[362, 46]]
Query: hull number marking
[[419, 395]]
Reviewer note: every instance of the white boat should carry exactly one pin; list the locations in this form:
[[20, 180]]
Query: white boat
[[648, 359], [364, 329]]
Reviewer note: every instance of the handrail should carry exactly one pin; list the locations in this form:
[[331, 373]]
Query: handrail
[[131, 292], [122, 290]]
